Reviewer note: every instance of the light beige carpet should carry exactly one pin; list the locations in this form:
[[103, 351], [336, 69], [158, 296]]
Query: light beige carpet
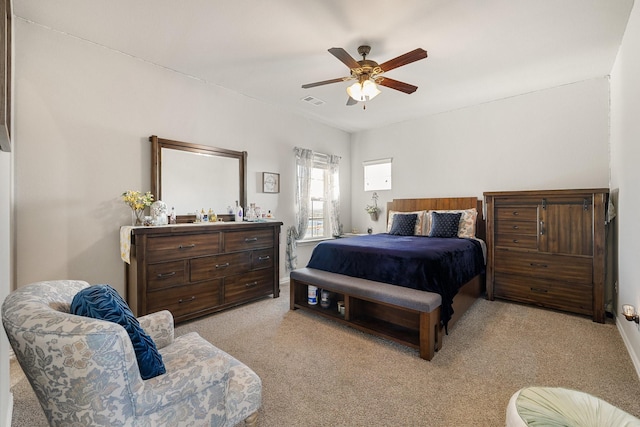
[[318, 373]]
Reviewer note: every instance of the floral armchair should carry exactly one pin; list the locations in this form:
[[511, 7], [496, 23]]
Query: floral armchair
[[84, 371]]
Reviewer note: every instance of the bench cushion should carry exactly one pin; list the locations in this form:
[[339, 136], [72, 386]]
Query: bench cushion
[[368, 289]]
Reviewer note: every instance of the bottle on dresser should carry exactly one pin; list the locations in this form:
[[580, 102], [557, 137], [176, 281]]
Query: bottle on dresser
[[239, 213]]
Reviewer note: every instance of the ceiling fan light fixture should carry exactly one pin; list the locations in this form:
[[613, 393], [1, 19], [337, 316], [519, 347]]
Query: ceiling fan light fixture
[[363, 91]]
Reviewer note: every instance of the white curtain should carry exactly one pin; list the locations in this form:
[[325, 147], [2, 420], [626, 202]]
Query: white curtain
[[304, 164], [332, 194], [306, 160]]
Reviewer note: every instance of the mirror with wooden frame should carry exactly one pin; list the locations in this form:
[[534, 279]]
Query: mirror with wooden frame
[[192, 177]]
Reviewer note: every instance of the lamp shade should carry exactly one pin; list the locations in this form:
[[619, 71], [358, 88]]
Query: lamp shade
[[363, 91]]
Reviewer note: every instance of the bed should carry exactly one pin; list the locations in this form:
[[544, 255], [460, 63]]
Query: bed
[[402, 261]]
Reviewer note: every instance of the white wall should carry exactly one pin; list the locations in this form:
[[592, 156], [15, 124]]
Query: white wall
[[83, 117], [551, 139], [625, 175], [6, 398]]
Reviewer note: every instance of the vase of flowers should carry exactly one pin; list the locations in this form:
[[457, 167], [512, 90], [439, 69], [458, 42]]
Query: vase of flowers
[[137, 201], [373, 210]]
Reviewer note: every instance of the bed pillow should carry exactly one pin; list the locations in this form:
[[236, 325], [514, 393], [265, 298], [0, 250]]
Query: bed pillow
[[466, 227], [444, 224], [419, 228], [404, 224], [104, 303]]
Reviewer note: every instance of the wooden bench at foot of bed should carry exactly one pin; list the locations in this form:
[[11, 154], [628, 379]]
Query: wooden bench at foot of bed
[[408, 316]]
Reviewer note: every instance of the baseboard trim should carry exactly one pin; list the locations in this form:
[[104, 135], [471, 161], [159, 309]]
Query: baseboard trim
[[627, 344]]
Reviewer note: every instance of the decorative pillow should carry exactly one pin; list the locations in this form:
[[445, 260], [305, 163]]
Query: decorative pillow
[[467, 225], [419, 228], [103, 302], [404, 225], [444, 224]]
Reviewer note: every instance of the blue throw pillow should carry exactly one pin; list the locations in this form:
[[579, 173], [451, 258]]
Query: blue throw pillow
[[103, 302], [444, 224], [404, 224]]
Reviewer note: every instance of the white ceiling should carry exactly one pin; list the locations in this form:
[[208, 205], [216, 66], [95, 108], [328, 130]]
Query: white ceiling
[[479, 51]]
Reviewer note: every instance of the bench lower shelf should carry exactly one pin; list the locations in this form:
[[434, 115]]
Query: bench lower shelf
[[420, 330]]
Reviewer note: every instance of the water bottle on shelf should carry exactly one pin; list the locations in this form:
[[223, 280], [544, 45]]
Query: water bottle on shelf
[[324, 299]]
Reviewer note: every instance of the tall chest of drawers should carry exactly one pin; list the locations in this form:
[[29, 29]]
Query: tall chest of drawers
[[194, 269], [548, 248]]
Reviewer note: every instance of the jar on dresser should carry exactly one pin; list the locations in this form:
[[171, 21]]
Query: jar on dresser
[[196, 269], [548, 248]]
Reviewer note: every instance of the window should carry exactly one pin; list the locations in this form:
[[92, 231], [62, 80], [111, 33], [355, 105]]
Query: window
[[317, 200], [377, 174], [317, 224]]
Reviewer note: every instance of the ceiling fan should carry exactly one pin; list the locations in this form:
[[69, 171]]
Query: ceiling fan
[[368, 74]]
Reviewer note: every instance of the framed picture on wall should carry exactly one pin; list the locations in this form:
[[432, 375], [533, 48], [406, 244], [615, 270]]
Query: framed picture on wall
[[270, 182]]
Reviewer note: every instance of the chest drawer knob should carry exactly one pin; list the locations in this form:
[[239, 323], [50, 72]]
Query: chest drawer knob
[[225, 265], [181, 300], [165, 275], [193, 245], [251, 285], [515, 240], [264, 258], [515, 227], [251, 239]]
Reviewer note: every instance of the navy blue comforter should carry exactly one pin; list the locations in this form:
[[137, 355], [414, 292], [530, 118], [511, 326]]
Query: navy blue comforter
[[427, 263]]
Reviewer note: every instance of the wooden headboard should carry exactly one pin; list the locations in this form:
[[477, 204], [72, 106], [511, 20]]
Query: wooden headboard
[[447, 203]]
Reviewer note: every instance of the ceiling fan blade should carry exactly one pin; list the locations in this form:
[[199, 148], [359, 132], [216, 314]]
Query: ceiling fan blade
[[405, 59], [351, 101], [398, 85], [343, 56], [325, 82]]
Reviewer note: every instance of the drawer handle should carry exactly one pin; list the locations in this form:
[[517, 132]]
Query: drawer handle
[[515, 227], [250, 239], [251, 285], [180, 301], [515, 240], [193, 245], [535, 264], [225, 265], [165, 275], [541, 228], [516, 213], [264, 258], [539, 290]]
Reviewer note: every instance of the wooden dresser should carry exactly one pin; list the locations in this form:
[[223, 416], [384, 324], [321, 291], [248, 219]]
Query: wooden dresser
[[548, 248], [193, 269]]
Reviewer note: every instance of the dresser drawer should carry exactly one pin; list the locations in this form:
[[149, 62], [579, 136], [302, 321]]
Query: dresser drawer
[[517, 227], [247, 286], [163, 248], [517, 241], [182, 300], [166, 274], [576, 298], [522, 213], [262, 259], [212, 267], [556, 267], [235, 241]]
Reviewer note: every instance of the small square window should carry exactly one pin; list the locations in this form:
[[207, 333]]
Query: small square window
[[377, 174]]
